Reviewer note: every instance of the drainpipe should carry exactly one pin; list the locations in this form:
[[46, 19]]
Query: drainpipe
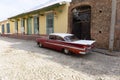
[[112, 27]]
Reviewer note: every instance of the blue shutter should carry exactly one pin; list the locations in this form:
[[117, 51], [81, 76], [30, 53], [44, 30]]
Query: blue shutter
[[23, 26], [8, 27], [3, 29]]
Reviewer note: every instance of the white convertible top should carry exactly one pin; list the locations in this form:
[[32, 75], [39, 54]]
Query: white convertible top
[[61, 34]]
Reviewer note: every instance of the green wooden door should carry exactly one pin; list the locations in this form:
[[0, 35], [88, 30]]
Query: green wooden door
[[36, 25], [29, 26], [3, 29], [16, 26], [8, 27], [50, 23], [23, 26]]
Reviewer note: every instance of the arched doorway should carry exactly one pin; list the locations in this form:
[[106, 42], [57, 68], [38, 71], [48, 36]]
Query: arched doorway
[[81, 20]]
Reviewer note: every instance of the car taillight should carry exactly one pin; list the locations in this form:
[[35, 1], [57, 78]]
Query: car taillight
[[92, 46], [85, 48]]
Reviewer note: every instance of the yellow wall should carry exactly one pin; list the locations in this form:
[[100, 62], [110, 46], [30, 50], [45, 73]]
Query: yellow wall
[[60, 21], [5, 26], [19, 26], [32, 26], [42, 26], [25, 26], [12, 26]]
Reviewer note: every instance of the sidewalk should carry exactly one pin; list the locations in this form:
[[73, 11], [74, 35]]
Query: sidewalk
[[107, 52]]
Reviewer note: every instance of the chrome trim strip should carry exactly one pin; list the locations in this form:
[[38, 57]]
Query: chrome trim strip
[[65, 46]]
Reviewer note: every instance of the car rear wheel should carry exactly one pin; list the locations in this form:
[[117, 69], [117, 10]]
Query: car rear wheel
[[66, 51], [40, 45]]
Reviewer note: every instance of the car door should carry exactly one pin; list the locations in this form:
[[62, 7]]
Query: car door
[[59, 43], [54, 42], [50, 42]]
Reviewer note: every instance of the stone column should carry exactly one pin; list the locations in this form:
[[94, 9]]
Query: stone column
[[112, 27]]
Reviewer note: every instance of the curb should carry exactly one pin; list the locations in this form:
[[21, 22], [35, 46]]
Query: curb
[[106, 52]]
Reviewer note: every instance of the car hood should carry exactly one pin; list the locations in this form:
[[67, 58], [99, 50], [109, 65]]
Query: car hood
[[84, 42]]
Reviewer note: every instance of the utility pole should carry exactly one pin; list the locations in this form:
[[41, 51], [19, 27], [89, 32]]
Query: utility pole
[[112, 27]]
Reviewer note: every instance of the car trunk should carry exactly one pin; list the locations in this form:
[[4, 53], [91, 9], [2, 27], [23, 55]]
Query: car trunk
[[84, 42]]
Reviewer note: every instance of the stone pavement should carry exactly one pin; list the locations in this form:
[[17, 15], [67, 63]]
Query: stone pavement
[[107, 52], [24, 60]]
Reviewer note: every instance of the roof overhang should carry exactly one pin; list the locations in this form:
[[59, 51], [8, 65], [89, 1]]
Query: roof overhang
[[47, 6]]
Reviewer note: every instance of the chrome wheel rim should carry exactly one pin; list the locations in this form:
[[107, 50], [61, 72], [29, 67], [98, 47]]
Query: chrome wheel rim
[[40, 45], [66, 51]]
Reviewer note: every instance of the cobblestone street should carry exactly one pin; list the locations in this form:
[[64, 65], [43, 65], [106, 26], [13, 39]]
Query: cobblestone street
[[24, 60]]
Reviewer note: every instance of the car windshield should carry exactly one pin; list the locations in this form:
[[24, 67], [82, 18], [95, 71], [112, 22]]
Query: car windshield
[[71, 38]]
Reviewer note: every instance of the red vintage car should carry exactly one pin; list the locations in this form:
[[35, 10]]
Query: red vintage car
[[67, 43]]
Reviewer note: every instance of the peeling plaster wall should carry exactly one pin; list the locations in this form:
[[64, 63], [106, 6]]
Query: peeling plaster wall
[[117, 28], [100, 19]]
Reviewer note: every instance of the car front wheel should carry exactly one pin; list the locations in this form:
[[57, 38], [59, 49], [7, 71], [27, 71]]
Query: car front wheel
[[40, 45], [66, 51]]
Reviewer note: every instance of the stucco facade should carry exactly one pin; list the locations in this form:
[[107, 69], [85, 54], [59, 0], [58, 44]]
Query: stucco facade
[[5, 27], [60, 20]]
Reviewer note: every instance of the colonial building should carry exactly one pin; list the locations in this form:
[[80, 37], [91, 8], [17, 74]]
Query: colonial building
[[44, 19], [5, 27], [98, 20]]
